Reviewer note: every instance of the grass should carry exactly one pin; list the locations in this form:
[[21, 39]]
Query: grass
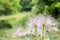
[[8, 17], [16, 19], [5, 34]]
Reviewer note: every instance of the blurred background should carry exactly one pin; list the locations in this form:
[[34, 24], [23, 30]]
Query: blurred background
[[16, 12]]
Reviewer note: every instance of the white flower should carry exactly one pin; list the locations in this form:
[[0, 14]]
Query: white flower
[[30, 30], [38, 20], [19, 32], [23, 32], [28, 38]]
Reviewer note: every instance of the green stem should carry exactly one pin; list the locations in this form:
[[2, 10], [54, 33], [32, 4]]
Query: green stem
[[31, 36], [43, 31], [36, 35], [43, 34], [25, 37], [53, 34]]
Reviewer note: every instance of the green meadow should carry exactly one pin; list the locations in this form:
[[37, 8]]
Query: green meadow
[[14, 13]]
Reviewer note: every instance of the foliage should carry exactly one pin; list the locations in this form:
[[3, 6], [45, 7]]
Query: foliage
[[53, 7], [35, 6], [9, 7], [26, 6], [5, 24], [13, 21], [16, 12]]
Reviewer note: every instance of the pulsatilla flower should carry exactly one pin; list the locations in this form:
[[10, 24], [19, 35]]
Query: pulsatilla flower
[[41, 24], [39, 20], [35, 25]]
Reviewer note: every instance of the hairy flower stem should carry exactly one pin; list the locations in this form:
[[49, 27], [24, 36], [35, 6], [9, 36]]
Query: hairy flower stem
[[43, 31], [31, 36], [53, 32], [53, 35], [36, 35], [25, 37]]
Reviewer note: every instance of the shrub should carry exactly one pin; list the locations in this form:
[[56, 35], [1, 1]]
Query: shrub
[[5, 24], [9, 7]]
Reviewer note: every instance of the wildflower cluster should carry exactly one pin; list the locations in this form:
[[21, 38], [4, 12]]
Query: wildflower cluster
[[40, 24]]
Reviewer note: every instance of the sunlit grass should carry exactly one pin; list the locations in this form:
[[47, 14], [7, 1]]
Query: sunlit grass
[[16, 19], [20, 15]]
